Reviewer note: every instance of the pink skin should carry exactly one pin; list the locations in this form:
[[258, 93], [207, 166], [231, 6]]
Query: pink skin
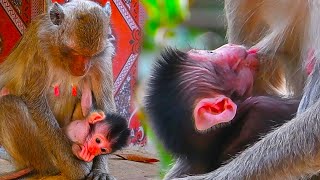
[[218, 109], [86, 99], [79, 65], [310, 61], [85, 145], [229, 56], [212, 111], [4, 91], [235, 58], [100, 133]]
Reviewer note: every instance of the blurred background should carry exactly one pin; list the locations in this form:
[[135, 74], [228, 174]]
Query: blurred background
[[182, 24]]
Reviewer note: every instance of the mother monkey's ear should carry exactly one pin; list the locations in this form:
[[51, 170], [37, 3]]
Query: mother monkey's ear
[[107, 8], [56, 14], [105, 5]]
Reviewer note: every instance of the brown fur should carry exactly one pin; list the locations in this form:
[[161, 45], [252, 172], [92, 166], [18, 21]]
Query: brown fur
[[283, 31], [31, 117]]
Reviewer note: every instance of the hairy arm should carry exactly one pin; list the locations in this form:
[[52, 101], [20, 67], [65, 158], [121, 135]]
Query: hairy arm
[[180, 168], [311, 94], [52, 137], [102, 87]]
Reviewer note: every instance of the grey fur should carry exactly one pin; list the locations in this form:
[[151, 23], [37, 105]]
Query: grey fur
[[180, 167], [56, 14], [107, 8], [311, 92]]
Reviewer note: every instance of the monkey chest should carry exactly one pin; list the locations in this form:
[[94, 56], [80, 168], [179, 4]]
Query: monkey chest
[[63, 101]]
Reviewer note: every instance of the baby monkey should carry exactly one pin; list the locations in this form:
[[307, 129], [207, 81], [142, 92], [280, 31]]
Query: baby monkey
[[97, 134]]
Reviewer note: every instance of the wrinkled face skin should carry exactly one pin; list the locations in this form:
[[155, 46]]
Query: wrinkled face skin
[[77, 64], [91, 140], [235, 59], [96, 142], [240, 66]]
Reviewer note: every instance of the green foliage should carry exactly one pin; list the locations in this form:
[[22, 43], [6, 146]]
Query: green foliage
[[162, 14], [165, 26], [166, 159]]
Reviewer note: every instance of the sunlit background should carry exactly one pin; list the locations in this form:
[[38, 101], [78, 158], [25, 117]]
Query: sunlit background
[[182, 24]]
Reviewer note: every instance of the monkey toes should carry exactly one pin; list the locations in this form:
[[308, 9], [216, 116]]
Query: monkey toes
[[97, 175]]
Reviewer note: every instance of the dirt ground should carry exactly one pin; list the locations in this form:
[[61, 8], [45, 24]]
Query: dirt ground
[[130, 170], [120, 168]]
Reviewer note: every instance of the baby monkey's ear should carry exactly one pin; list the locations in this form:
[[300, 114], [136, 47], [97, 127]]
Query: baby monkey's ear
[[212, 111], [96, 116]]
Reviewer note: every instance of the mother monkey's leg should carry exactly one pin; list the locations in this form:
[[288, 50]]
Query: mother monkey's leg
[[19, 136]]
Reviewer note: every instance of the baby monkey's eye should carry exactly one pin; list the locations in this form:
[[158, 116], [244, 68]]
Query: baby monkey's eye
[[98, 140]]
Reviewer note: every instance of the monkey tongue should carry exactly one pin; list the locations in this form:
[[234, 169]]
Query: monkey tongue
[[79, 66]]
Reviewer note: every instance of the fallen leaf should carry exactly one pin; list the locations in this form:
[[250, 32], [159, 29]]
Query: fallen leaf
[[137, 158]]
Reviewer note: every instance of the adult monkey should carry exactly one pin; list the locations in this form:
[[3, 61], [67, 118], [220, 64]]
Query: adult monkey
[[283, 31], [62, 49]]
